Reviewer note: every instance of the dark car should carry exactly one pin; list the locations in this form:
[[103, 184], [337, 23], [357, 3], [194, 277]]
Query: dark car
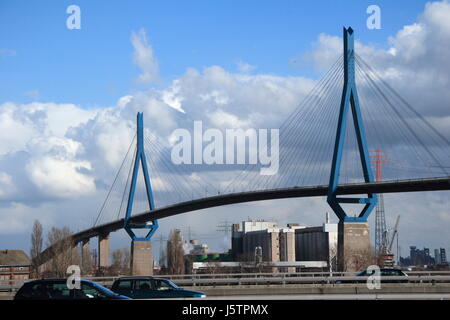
[[56, 289], [151, 287], [386, 275], [384, 272]]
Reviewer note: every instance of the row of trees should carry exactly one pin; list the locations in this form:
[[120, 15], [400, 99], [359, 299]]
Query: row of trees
[[64, 254]]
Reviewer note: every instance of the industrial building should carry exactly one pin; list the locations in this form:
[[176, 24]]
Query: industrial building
[[266, 241]]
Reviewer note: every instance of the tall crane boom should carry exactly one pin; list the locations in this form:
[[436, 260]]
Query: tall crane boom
[[394, 233]]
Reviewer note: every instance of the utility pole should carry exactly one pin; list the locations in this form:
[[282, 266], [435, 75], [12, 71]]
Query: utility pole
[[224, 226], [378, 158]]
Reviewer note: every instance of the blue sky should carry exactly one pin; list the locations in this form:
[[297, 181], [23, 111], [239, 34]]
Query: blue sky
[[68, 98], [92, 67]]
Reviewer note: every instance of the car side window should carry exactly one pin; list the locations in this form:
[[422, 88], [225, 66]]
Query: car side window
[[33, 291], [58, 290], [390, 273], [89, 292], [143, 285], [124, 285], [162, 285]]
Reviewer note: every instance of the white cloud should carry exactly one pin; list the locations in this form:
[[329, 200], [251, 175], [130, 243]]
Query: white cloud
[[144, 58], [245, 67], [222, 119], [172, 98], [7, 186], [33, 94], [61, 178], [23, 129]]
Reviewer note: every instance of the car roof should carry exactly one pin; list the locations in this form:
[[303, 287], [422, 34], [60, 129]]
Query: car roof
[[140, 278], [55, 280]]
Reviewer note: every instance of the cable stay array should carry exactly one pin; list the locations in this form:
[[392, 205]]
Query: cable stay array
[[412, 146]]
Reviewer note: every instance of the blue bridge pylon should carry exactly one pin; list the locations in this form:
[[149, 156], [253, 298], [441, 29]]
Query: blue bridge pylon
[[350, 99], [140, 158]]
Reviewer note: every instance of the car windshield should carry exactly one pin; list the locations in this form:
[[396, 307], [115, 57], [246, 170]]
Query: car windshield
[[173, 284], [103, 289]]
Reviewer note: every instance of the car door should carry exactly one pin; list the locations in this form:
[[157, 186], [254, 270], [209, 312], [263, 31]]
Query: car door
[[144, 289], [58, 290], [124, 287], [87, 292], [32, 291], [163, 289]]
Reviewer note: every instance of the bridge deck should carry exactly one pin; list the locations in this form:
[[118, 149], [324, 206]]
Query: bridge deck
[[434, 184]]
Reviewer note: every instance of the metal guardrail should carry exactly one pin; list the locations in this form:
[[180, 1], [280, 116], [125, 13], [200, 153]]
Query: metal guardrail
[[316, 278]]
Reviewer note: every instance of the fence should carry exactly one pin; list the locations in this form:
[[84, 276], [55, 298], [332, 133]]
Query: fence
[[236, 279]]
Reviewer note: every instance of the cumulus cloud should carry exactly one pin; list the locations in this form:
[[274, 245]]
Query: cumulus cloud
[[415, 64]]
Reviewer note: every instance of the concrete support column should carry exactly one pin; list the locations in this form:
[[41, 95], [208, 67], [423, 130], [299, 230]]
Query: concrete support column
[[86, 257], [287, 248], [141, 258], [354, 250], [103, 251]]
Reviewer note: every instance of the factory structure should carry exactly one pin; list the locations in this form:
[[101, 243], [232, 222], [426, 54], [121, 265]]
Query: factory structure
[[286, 248], [267, 247]]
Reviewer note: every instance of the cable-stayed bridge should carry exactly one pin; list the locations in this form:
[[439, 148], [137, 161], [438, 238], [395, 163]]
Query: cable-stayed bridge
[[324, 150]]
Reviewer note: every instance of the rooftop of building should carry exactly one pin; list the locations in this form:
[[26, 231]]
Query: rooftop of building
[[13, 257]]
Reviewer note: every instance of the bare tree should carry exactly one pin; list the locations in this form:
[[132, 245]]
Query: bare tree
[[36, 246], [359, 259], [117, 258], [63, 253], [126, 263], [87, 262], [163, 258], [175, 253], [121, 261]]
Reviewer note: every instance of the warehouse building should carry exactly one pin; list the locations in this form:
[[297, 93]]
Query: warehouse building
[[267, 242]]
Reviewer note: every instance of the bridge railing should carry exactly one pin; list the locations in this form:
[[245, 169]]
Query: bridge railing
[[229, 279]]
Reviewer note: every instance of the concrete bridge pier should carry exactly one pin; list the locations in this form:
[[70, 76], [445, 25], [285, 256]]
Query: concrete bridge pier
[[141, 258], [103, 251], [354, 250]]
